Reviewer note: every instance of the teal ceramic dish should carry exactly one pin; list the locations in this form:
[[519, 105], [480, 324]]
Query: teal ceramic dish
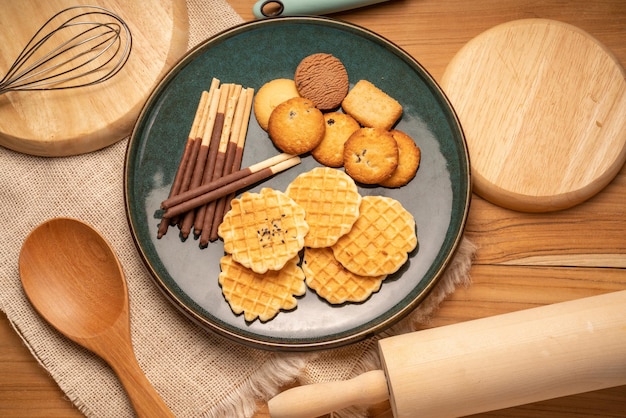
[[250, 55]]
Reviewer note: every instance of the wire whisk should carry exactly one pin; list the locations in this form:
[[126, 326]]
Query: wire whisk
[[77, 47]]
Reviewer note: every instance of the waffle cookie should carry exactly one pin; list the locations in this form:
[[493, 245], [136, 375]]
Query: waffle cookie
[[331, 202], [261, 295], [263, 230], [331, 281], [380, 240]]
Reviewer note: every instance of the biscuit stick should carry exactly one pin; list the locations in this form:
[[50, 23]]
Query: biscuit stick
[[214, 135], [199, 162], [222, 181], [210, 138], [218, 170], [228, 184], [193, 157], [185, 158], [234, 154]]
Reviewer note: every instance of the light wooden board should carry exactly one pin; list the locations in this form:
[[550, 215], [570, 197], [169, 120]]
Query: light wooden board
[[76, 121], [542, 104]]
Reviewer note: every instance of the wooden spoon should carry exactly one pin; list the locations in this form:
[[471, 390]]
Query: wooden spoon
[[74, 280]]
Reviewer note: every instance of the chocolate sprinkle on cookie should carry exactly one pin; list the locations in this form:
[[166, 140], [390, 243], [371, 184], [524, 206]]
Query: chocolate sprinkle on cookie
[[370, 155]]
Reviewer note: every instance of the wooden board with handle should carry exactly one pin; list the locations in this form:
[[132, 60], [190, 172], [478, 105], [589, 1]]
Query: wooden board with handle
[[541, 103], [76, 121]]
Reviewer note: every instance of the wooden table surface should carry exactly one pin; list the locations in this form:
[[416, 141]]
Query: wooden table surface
[[524, 260]]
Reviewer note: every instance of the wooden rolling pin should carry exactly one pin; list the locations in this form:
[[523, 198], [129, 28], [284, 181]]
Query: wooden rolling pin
[[485, 364]]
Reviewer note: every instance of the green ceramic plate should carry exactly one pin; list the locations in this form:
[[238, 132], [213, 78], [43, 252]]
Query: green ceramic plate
[[251, 55]]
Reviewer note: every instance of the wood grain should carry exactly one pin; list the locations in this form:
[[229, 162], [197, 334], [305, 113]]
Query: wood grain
[[524, 260], [504, 360], [66, 260], [541, 103], [54, 123]]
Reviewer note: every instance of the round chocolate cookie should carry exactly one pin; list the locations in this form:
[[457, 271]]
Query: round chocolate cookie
[[323, 79], [370, 155], [296, 126]]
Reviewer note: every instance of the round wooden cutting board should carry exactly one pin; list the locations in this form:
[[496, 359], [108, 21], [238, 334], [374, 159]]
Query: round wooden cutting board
[[543, 107], [76, 121]]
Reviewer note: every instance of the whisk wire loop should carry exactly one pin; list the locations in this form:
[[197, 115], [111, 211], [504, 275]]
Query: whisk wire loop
[[88, 52], [30, 72]]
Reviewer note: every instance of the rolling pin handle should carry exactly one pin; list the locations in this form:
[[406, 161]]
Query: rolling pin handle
[[322, 398]]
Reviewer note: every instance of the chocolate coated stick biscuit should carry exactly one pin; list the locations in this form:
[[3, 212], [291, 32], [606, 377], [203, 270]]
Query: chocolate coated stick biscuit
[[244, 178], [231, 97], [232, 162], [184, 161], [211, 135], [196, 179], [222, 181]]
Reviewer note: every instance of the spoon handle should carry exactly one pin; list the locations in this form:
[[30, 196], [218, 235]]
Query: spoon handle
[[144, 398]]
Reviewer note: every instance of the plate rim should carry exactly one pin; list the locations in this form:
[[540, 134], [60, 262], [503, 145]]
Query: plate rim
[[276, 343]]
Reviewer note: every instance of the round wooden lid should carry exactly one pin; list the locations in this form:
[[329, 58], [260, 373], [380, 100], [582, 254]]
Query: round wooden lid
[[543, 107], [85, 119]]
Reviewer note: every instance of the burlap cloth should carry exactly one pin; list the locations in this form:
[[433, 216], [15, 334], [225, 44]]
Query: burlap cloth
[[197, 373]]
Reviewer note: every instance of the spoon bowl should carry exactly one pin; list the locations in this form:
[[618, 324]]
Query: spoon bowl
[[74, 280]]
